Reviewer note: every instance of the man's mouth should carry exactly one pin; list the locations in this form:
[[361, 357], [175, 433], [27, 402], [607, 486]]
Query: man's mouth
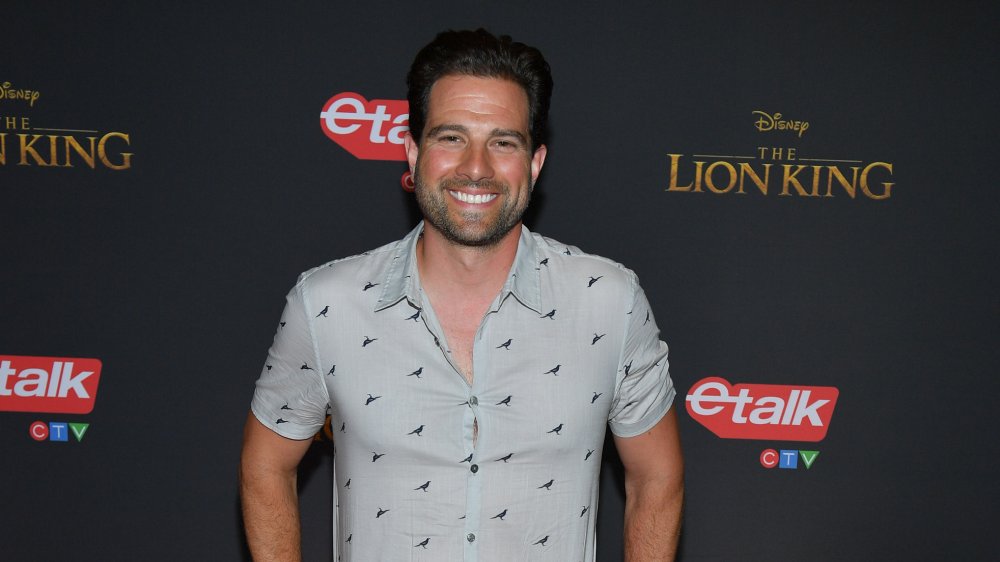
[[477, 199]]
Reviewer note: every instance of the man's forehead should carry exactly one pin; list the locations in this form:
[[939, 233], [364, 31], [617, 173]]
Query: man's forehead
[[477, 94], [476, 98]]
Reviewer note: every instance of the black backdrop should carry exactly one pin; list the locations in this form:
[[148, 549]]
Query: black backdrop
[[172, 271]]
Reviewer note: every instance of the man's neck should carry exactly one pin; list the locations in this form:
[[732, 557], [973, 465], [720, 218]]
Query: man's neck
[[464, 272]]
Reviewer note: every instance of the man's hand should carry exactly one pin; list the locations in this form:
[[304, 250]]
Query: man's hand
[[654, 491], [268, 474]]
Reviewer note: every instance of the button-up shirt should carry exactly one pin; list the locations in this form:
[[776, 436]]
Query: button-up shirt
[[430, 467]]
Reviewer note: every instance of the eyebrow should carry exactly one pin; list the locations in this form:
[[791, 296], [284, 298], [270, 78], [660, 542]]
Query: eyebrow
[[463, 129], [510, 133]]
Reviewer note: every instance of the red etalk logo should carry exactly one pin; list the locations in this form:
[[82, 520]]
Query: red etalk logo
[[64, 385], [762, 411], [370, 130]]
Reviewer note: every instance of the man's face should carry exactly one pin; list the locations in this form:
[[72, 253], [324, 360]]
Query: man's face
[[474, 168]]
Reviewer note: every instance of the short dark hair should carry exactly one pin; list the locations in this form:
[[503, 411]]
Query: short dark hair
[[480, 53]]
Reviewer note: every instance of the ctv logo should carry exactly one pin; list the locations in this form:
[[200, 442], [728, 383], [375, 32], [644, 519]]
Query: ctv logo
[[57, 431], [762, 411], [370, 130], [64, 385], [787, 458]]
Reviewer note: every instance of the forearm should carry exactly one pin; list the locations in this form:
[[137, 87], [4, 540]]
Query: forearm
[[652, 520], [270, 514]]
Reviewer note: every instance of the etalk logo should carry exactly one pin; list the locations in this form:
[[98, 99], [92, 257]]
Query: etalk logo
[[370, 130], [762, 411], [64, 385]]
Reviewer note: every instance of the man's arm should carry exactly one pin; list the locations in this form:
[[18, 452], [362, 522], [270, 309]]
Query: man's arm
[[654, 491], [268, 474]]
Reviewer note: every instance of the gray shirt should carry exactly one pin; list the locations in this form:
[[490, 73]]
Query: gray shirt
[[568, 348]]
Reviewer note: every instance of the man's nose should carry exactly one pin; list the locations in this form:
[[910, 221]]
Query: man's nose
[[476, 164]]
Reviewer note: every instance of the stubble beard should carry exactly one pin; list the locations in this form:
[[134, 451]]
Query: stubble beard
[[474, 231]]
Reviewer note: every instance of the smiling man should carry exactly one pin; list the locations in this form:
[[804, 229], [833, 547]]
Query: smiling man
[[479, 159], [525, 351]]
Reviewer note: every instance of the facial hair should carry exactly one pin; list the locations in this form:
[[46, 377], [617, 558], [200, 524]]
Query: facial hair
[[472, 229]]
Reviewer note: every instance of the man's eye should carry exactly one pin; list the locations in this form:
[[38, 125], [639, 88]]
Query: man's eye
[[506, 145], [450, 138]]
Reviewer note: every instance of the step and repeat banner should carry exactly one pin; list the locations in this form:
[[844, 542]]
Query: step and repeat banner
[[805, 191]]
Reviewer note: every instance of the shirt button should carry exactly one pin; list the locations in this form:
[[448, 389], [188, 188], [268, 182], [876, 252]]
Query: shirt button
[[470, 537], [474, 468], [474, 401]]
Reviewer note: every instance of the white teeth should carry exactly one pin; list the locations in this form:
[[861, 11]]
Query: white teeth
[[477, 199]]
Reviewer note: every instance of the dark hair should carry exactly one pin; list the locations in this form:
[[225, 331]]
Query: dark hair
[[480, 53]]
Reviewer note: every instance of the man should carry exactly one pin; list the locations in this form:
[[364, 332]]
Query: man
[[471, 369]]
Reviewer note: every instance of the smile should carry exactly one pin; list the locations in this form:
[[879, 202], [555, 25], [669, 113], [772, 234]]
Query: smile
[[478, 199]]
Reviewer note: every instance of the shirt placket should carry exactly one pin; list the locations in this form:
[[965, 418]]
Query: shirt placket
[[478, 473], [472, 413], [474, 482]]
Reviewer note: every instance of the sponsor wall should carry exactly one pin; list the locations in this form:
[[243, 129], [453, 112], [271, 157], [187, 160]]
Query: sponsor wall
[[804, 191]]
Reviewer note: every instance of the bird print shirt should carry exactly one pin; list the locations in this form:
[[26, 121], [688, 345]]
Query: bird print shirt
[[430, 467]]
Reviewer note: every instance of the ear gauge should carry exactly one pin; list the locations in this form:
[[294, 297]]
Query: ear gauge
[[407, 182]]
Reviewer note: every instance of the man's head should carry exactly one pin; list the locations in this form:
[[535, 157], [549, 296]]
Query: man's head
[[479, 53], [477, 114]]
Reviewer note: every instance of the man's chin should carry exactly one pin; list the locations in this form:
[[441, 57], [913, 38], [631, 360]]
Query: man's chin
[[473, 240], [476, 237]]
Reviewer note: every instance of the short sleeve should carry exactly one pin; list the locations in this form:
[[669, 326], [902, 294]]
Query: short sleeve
[[290, 397], [644, 391]]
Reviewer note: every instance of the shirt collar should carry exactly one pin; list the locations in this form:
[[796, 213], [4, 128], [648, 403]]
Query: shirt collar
[[525, 279], [402, 278]]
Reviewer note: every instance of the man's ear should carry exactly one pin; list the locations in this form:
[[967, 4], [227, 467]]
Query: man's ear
[[412, 150], [537, 161]]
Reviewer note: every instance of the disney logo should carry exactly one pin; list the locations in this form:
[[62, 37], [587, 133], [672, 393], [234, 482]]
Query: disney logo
[[769, 122], [7, 92]]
